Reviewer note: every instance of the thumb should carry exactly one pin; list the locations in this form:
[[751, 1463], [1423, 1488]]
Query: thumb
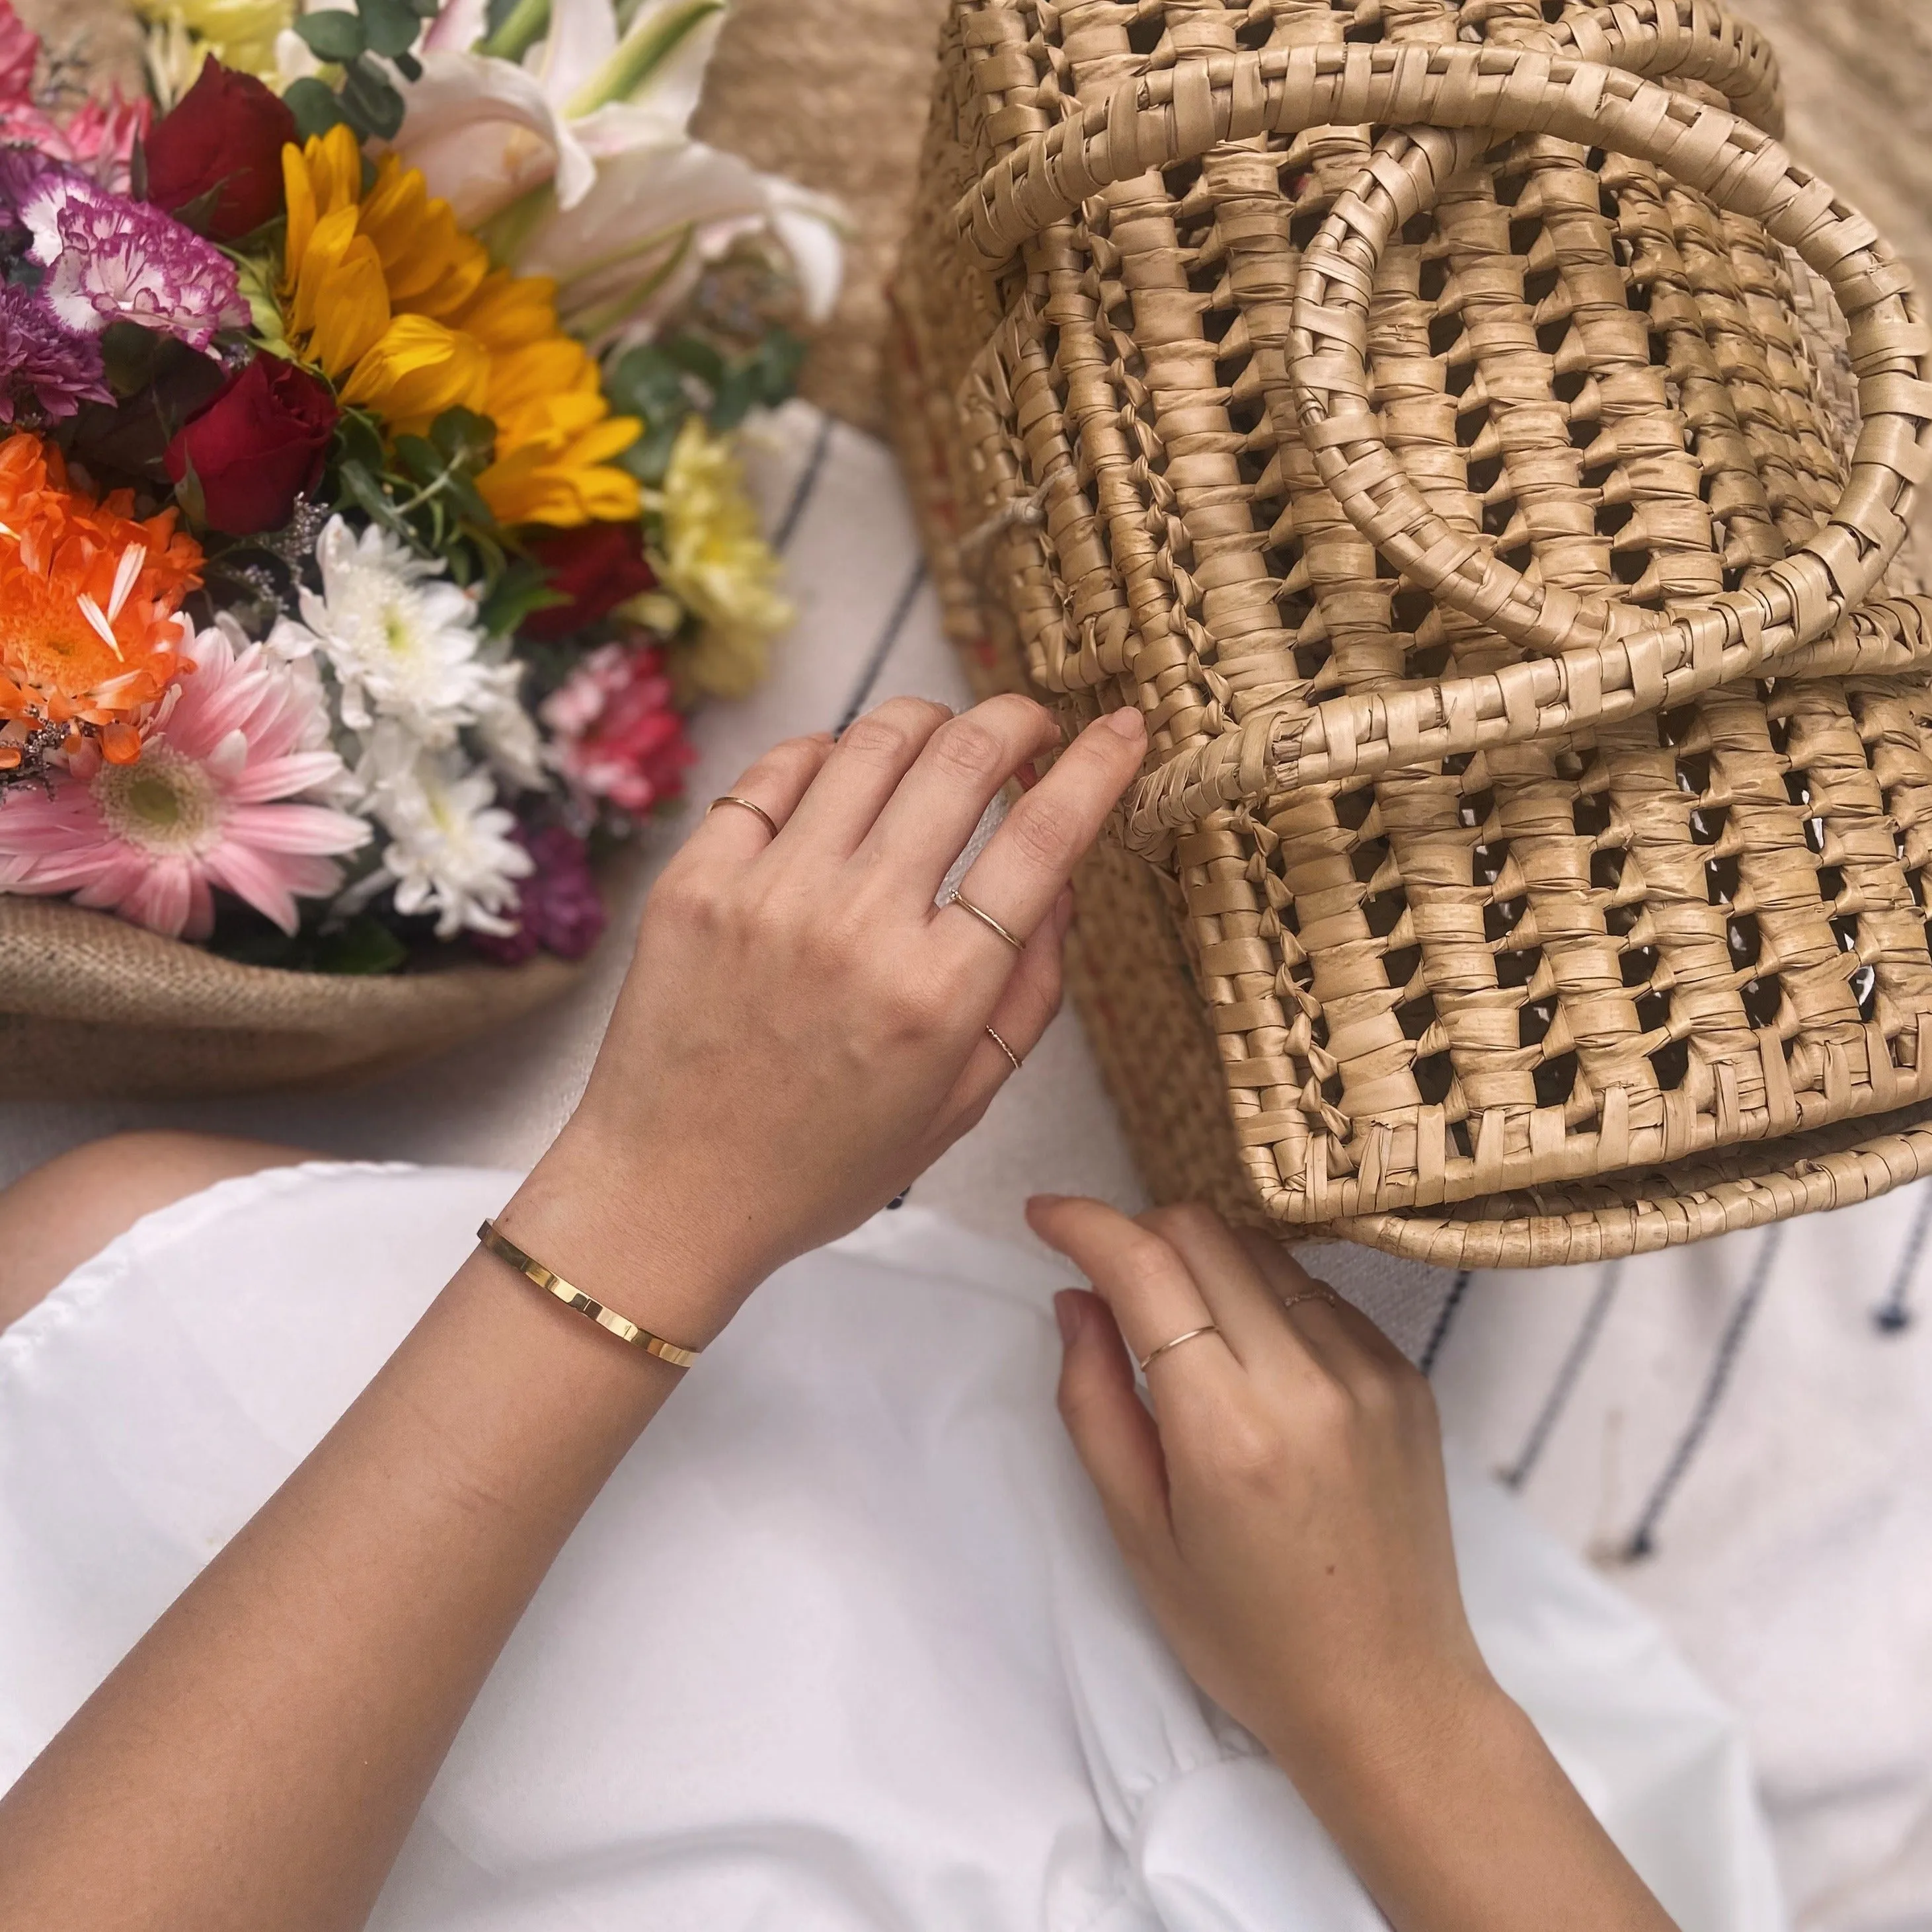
[[1115, 1436]]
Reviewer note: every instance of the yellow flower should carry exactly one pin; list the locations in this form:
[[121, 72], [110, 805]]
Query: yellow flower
[[416, 369], [238, 33], [716, 562], [383, 291], [555, 437]]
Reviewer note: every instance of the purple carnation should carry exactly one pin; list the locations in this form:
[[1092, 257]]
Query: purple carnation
[[22, 170], [558, 907], [40, 360], [112, 260]]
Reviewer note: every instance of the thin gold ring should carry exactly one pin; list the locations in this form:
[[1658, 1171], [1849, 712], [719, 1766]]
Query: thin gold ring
[[732, 798], [1207, 1328], [1004, 1048], [959, 899], [1309, 1294]]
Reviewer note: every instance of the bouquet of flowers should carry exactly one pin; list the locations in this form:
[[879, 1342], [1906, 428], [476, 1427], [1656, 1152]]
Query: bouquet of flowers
[[370, 516]]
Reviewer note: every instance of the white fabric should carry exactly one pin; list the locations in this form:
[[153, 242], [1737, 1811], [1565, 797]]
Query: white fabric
[[843, 1644]]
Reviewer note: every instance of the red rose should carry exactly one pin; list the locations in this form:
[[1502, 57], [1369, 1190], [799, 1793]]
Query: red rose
[[227, 132], [596, 566], [256, 446]]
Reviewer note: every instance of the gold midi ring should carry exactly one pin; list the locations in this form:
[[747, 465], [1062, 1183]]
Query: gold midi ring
[[986, 918], [1309, 1295], [732, 798], [1209, 1329], [1004, 1048]]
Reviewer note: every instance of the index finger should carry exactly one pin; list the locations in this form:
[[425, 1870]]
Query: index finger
[[1031, 857]]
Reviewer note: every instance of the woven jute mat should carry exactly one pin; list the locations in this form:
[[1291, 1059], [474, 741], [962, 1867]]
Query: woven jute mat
[[834, 93]]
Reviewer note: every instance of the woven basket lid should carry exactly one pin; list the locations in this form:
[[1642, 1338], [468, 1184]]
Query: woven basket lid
[[1541, 731]]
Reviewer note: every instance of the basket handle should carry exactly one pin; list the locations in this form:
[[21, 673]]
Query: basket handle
[[1178, 114], [1704, 147]]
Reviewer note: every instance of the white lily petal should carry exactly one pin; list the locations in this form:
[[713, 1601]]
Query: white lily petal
[[627, 127], [483, 132], [459, 26], [673, 88], [582, 36], [812, 227]]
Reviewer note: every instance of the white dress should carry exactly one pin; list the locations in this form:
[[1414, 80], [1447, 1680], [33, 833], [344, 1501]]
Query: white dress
[[843, 1644]]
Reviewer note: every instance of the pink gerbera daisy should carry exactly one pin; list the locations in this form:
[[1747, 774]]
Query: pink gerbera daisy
[[206, 804]]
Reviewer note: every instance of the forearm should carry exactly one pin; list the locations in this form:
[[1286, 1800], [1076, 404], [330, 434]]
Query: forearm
[[257, 1759], [1460, 1820]]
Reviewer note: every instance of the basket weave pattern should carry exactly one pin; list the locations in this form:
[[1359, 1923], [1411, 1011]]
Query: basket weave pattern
[[1502, 553]]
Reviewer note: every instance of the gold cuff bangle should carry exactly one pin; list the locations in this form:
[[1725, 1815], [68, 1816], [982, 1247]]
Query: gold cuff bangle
[[553, 1283]]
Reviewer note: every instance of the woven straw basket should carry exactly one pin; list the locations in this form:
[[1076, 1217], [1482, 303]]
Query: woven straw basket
[[1485, 457]]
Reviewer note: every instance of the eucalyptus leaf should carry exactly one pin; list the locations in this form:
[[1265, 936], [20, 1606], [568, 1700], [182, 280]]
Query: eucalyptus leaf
[[408, 67], [692, 353], [334, 35], [388, 26], [368, 100], [314, 105]]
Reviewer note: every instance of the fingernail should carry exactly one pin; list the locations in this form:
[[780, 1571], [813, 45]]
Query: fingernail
[[1127, 722], [1069, 1312], [1062, 911]]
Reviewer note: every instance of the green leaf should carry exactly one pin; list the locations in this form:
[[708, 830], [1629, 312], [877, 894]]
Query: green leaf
[[128, 355], [358, 440], [388, 26], [364, 946], [197, 213], [332, 35], [645, 381], [520, 591], [778, 359], [422, 462], [693, 353], [463, 438], [191, 497], [738, 395], [315, 107], [371, 105], [649, 457], [368, 491], [408, 67], [468, 502]]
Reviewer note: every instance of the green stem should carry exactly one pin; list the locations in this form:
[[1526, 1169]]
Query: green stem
[[637, 56], [527, 22]]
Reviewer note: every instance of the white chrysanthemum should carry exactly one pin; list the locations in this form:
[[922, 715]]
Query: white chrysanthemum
[[450, 851], [402, 645], [509, 733]]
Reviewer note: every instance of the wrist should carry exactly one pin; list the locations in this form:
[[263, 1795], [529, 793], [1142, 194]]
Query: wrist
[[1373, 1745], [648, 1249]]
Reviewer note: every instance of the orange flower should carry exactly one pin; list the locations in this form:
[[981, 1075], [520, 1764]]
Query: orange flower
[[88, 595]]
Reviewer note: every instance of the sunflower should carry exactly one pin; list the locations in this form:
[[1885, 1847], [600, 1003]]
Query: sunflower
[[89, 633], [381, 290]]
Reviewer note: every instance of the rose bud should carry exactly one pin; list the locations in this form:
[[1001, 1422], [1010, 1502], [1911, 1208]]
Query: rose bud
[[596, 566], [258, 445], [227, 132]]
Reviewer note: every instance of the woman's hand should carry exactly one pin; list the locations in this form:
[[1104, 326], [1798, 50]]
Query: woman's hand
[[1283, 1509], [803, 1031]]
